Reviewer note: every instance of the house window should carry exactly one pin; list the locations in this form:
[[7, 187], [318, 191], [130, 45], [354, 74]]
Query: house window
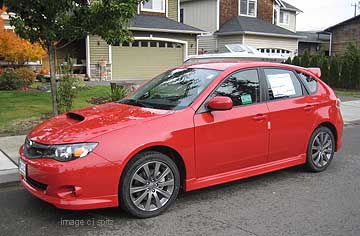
[[154, 5], [284, 18], [182, 15], [248, 7]]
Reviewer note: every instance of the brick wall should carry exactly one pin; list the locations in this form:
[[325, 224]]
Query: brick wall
[[228, 10], [345, 34], [265, 10]]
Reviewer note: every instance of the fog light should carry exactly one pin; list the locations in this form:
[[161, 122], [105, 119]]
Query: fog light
[[69, 191]]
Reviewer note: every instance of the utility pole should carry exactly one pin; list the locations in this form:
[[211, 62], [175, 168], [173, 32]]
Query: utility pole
[[356, 6]]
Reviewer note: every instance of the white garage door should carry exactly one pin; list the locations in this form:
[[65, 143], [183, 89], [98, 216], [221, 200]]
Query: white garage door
[[145, 59]]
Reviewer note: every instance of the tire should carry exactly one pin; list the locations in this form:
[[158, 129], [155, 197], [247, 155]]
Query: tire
[[136, 186], [321, 149]]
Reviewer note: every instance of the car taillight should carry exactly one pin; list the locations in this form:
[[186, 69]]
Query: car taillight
[[338, 103]]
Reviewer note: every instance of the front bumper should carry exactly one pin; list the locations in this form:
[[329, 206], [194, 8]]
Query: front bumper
[[88, 183]]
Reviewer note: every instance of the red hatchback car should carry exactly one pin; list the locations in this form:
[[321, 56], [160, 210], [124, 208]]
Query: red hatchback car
[[192, 127]]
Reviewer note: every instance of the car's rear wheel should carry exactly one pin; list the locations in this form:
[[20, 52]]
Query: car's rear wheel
[[321, 149], [150, 184]]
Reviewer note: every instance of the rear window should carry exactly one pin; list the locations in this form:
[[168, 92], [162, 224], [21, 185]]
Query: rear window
[[310, 82], [282, 84]]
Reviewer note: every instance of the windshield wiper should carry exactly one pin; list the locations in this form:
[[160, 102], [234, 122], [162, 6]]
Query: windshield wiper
[[136, 103]]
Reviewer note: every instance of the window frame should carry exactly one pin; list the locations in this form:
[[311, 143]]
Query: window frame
[[297, 73], [248, 9], [181, 15], [267, 97], [288, 18], [153, 10], [203, 107]]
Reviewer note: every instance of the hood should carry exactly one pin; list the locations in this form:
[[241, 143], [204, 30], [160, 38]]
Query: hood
[[84, 124]]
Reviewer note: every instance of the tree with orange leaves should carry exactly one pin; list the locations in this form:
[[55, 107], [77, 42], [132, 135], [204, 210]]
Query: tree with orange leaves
[[14, 49]]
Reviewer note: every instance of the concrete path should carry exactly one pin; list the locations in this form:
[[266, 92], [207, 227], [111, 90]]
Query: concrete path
[[8, 170], [350, 111]]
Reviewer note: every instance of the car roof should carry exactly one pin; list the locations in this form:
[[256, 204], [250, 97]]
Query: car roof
[[224, 65]]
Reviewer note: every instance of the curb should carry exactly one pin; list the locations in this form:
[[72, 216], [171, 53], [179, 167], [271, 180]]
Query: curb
[[352, 123], [9, 178]]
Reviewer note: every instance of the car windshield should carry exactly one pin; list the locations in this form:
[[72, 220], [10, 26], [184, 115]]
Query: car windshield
[[173, 90]]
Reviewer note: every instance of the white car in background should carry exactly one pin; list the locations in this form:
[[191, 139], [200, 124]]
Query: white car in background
[[242, 52]]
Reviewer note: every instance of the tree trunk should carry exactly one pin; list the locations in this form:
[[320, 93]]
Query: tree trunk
[[51, 52]]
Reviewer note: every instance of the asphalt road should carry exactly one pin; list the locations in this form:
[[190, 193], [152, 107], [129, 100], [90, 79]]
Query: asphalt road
[[287, 202]]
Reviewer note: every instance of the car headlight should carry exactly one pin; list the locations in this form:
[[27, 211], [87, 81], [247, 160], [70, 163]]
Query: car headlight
[[70, 152]]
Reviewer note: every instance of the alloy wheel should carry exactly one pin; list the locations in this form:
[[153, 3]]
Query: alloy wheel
[[151, 186], [322, 149]]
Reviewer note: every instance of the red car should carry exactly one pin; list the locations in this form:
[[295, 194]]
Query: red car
[[191, 127]]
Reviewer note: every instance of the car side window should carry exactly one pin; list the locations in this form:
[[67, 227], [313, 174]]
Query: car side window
[[242, 87], [283, 84], [310, 81]]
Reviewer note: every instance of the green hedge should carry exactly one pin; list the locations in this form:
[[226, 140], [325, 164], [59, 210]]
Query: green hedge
[[337, 71]]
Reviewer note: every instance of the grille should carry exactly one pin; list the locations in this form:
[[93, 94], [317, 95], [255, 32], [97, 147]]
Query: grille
[[33, 150], [35, 183]]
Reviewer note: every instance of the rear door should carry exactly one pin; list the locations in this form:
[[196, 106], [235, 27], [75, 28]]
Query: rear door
[[291, 114], [237, 138]]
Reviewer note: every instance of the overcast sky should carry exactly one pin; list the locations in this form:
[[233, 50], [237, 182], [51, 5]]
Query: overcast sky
[[321, 14]]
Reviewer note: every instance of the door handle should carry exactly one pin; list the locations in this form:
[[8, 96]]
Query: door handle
[[259, 117], [308, 107]]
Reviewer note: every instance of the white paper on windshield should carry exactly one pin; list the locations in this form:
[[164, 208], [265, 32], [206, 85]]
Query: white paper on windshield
[[281, 85]]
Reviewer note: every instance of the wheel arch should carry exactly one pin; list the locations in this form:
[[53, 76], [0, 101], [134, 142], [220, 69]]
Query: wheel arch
[[332, 129], [166, 150]]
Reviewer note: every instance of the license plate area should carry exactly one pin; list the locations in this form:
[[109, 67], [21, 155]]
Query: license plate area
[[22, 167]]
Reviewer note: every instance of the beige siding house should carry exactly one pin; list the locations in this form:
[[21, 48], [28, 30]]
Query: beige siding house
[[267, 25], [160, 42]]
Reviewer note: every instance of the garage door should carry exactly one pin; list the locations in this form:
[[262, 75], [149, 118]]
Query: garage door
[[145, 59]]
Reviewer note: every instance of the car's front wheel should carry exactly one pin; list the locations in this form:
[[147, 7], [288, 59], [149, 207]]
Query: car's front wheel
[[150, 184], [321, 149]]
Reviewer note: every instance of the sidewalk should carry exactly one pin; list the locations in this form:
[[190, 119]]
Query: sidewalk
[[350, 111], [9, 149], [10, 145]]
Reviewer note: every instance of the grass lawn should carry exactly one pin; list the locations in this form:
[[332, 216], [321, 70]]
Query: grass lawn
[[347, 93], [21, 110]]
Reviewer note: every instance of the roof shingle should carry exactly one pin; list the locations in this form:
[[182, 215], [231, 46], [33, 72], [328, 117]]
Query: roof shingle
[[243, 24], [161, 23]]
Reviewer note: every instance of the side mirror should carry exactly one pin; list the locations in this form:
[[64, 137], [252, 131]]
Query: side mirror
[[220, 103]]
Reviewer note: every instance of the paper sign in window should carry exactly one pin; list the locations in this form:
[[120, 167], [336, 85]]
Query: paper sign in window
[[281, 85]]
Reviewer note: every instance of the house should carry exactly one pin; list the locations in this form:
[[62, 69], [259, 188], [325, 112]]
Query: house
[[343, 34], [161, 41], [268, 25], [314, 42]]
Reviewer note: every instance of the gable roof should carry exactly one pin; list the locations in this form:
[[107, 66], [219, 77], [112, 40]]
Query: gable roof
[[251, 25], [161, 24], [290, 7], [355, 18]]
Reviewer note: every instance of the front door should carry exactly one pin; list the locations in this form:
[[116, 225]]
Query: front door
[[237, 138]]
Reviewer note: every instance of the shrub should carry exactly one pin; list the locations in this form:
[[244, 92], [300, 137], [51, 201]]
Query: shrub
[[66, 93], [334, 77], [117, 92], [345, 79], [9, 80], [296, 61], [315, 61], [67, 89], [305, 59], [325, 70], [356, 72], [26, 75], [288, 61]]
